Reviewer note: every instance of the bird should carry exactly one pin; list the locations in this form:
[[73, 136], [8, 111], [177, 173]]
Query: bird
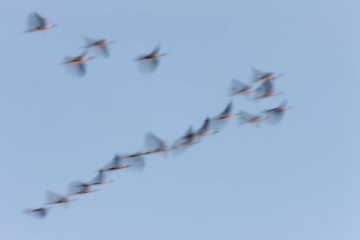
[[204, 129], [151, 60], [78, 188], [225, 114], [116, 164], [78, 62], [155, 144], [187, 140], [260, 76], [247, 118], [57, 199], [39, 212], [99, 179], [277, 113], [138, 154], [238, 88], [265, 90], [38, 23], [101, 44]]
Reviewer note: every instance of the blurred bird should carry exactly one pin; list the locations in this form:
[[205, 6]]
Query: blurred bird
[[204, 129], [78, 62], [136, 163], [116, 164], [101, 44], [39, 212], [38, 23], [138, 154], [260, 76], [225, 114], [151, 60], [186, 140], [247, 118], [78, 188], [54, 198], [155, 144], [99, 179], [237, 88], [277, 113], [265, 90]]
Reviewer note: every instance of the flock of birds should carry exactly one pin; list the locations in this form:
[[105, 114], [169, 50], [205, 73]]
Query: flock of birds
[[155, 145]]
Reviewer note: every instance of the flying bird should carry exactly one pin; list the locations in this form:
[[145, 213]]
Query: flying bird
[[151, 60], [205, 129], [155, 144], [277, 113], [101, 44], [38, 23], [260, 76], [138, 154], [238, 88], [225, 114], [54, 198], [187, 140], [78, 62], [116, 164], [39, 212], [247, 118], [99, 179], [79, 188], [265, 90]]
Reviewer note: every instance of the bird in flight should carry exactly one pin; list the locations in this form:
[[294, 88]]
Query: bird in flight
[[102, 44], [277, 113], [57, 199], [155, 144], [247, 118], [38, 23], [78, 62], [151, 60], [260, 76], [99, 179], [238, 88], [39, 212], [116, 164], [265, 90]]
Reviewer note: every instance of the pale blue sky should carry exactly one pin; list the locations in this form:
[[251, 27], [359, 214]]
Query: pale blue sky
[[296, 180]]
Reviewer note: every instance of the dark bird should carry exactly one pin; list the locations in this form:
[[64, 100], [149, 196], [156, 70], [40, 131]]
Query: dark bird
[[151, 61], [78, 62], [155, 144], [265, 90], [102, 44], [238, 88], [54, 198], [99, 179], [247, 118], [205, 129], [116, 164], [38, 23], [78, 188], [39, 212], [277, 113], [260, 76]]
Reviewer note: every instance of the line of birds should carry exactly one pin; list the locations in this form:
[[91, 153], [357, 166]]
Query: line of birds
[[154, 144], [149, 62]]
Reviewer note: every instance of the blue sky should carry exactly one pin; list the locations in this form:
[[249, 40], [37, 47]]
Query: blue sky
[[297, 180]]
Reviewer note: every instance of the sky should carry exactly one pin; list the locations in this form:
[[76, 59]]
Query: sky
[[294, 180]]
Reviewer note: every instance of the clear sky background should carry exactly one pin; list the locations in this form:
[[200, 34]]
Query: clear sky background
[[296, 180]]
